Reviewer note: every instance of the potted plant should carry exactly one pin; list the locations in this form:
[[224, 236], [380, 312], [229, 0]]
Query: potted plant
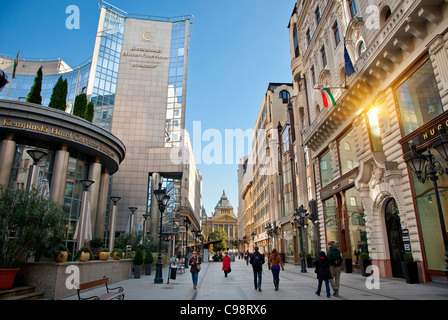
[[348, 262], [84, 254], [61, 253], [364, 262], [104, 254], [117, 254], [309, 260], [28, 223], [149, 260], [96, 243], [138, 261], [409, 267]]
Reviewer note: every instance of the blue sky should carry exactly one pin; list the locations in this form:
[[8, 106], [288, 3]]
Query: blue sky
[[237, 48]]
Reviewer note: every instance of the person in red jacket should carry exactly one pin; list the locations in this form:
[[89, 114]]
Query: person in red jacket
[[226, 264]]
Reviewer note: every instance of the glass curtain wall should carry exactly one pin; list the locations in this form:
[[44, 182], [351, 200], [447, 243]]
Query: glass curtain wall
[[175, 85], [106, 69]]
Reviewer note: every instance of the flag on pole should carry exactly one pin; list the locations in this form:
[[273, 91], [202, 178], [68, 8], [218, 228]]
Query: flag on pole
[[16, 62], [349, 69], [326, 95]]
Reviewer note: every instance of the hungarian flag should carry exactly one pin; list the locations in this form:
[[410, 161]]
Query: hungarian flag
[[16, 62], [326, 95]]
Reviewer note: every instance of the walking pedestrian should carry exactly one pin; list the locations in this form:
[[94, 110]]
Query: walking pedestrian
[[226, 264], [335, 258], [246, 257], [195, 263], [257, 261], [274, 264], [322, 265]]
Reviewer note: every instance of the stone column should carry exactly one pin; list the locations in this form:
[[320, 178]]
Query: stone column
[[95, 175], [57, 186], [154, 210], [102, 204], [7, 153]]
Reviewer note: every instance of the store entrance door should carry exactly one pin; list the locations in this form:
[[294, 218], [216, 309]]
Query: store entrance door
[[394, 236]]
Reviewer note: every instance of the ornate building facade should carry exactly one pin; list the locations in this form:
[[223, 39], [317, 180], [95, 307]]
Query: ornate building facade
[[357, 126]]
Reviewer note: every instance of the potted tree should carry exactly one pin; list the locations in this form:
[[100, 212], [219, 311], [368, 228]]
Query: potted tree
[[309, 260], [27, 222], [364, 262], [149, 260], [348, 262], [138, 261], [96, 243], [409, 267]]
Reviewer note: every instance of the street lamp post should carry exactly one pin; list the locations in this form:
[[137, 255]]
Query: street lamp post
[[269, 230], [112, 222], [187, 223], [131, 224], [145, 216], [162, 199], [83, 220], [299, 216], [426, 168], [33, 174]]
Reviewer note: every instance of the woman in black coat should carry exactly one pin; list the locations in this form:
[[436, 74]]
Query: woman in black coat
[[322, 265]]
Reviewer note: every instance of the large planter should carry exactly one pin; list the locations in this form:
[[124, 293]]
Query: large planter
[[148, 268], [85, 256], [137, 271], [7, 277], [363, 264], [104, 255], [348, 265], [309, 262], [62, 256], [410, 272]]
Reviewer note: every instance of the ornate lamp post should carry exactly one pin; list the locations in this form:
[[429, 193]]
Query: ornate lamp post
[[426, 168], [112, 222], [187, 223], [162, 199], [145, 216], [299, 216]]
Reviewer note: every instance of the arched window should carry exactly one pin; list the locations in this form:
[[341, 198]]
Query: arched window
[[284, 95], [361, 48]]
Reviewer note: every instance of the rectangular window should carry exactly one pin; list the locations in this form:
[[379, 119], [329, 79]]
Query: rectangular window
[[337, 37], [374, 130], [331, 223], [326, 169], [324, 56], [317, 13], [347, 153], [296, 42], [418, 98], [308, 36], [353, 7], [313, 75]]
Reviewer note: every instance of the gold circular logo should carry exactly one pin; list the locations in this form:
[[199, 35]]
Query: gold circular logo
[[147, 35]]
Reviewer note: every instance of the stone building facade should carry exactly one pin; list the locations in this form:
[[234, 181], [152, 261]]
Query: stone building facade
[[367, 198]]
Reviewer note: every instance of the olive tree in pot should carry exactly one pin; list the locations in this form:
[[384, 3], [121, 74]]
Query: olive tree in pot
[[30, 225], [138, 261]]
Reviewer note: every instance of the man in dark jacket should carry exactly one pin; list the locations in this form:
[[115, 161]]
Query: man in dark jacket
[[335, 258], [257, 261]]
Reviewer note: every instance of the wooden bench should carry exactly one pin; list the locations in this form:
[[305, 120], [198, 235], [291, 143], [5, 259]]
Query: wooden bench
[[109, 295]]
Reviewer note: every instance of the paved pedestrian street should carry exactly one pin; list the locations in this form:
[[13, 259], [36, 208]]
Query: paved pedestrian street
[[294, 285]]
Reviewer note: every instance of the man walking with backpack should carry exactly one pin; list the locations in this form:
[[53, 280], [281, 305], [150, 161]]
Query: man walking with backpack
[[257, 261], [335, 257]]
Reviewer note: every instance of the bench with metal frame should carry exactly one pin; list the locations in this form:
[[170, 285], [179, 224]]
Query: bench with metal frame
[[109, 295]]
